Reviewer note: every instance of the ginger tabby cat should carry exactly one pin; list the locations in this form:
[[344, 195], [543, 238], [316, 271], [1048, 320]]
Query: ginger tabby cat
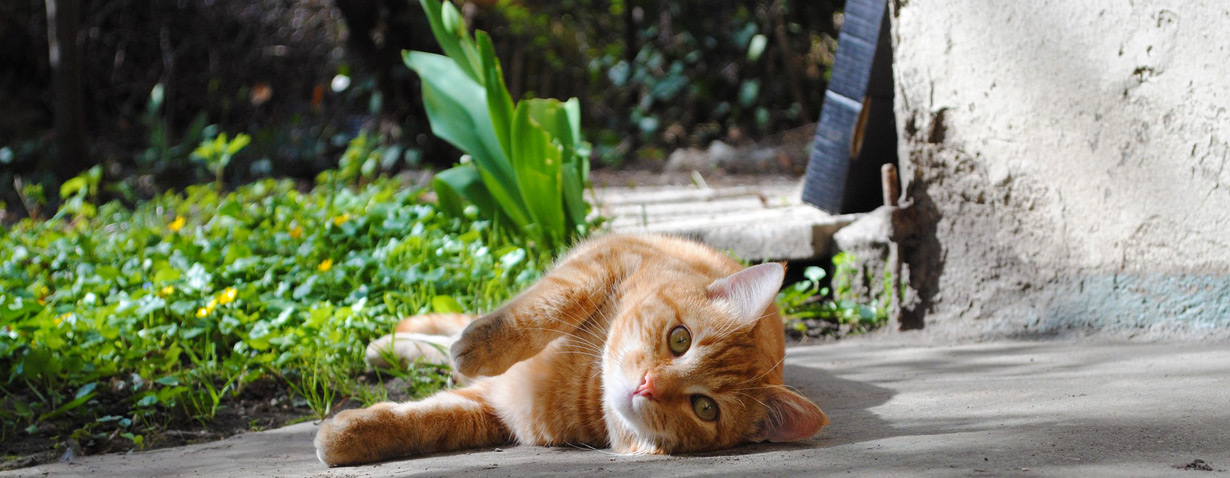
[[644, 344]]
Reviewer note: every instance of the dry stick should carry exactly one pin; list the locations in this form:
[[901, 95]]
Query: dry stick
[[892, 191]]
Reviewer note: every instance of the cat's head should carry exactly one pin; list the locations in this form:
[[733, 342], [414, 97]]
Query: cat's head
[[694, 365]]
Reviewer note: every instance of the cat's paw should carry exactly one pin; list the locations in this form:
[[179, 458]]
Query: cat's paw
[[342, 441], [487, 347]]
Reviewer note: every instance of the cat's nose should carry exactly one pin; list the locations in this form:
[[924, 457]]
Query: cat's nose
[[645, 389]]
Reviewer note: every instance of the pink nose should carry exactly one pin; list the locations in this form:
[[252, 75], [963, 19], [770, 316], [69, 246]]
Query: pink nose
[[645, 389]]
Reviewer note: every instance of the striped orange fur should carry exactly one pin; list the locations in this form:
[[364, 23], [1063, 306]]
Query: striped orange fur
[[644, 344]]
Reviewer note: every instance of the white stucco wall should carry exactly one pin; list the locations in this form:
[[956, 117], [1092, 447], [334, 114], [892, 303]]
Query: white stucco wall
[[1075, 153]]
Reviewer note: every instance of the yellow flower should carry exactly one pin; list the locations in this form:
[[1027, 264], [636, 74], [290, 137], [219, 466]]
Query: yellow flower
[[177, 224], [227, 296], [325, 265], [339, 220], [296, 232], [202, 312], [62, 317], [166, 291]]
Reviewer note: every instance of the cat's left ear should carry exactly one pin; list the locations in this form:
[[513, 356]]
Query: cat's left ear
[[749, 291], [791, 417]]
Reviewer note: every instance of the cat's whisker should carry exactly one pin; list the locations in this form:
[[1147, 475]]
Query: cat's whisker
[[586, 446], [748, 395], [579, 339]]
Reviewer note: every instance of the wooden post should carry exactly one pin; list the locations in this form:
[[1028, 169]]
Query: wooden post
[[892, 192], [889, 184]]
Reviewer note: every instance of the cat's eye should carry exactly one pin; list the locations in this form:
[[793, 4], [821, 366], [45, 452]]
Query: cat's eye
[[704, 407], [679, 340]]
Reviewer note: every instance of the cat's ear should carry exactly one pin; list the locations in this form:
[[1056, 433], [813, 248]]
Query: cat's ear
[[749, 291], [791, 417]]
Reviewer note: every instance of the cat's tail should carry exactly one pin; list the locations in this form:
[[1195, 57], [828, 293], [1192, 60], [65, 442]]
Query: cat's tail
[[426, 337]]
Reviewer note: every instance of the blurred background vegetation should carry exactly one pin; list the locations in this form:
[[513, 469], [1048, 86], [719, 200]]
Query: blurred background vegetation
[[303, 78]]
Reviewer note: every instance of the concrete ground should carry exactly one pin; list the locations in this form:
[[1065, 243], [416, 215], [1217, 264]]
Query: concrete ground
[[1065, 408]]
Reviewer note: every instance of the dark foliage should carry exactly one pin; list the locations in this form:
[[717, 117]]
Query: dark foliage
[[651, 76]]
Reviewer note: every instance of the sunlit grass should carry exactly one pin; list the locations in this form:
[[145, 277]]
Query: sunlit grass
[[171, 309]]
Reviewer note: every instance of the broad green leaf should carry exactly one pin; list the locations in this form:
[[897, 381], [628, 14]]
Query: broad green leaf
[[457, 110], [573, 108], [538, 173], [574, 199], [499, 103], [450, 31], [461, 182]]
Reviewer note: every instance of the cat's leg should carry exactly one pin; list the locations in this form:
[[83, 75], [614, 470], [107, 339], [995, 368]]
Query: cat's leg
[[427, 337], [450, 420], [405, 348], [434, 324], [556, 305]]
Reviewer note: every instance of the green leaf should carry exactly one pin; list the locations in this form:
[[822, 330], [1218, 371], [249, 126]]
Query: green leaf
[[538, 169], [168, 380], [67, 407], [241, 140], [230, 208], [574, 197], [457, 110], [86, 389], [499, 102], [572, 108], [445, 304], [461, 182], [450, 31], [73, 185]]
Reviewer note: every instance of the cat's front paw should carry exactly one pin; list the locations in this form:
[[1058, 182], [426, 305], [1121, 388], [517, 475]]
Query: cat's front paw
[[487, 347], [346, 439]]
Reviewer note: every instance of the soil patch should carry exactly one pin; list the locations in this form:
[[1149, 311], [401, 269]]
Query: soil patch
[[262, 405]]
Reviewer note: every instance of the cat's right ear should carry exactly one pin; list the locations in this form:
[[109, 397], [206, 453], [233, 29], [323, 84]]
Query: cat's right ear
[[791, 417], [750, 291]]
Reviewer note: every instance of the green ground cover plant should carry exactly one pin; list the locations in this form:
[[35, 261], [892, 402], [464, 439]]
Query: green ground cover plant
[[812, 309], [116, 323]]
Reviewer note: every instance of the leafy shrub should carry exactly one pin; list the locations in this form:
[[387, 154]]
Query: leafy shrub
[[528, 164], [172, 308]]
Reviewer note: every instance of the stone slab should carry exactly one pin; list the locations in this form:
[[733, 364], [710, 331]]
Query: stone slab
[[756, 222]]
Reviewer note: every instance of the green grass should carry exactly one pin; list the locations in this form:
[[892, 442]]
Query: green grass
[[116, 322]]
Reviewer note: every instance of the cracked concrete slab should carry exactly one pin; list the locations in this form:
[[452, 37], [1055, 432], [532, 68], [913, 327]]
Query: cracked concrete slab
[[1070, 408]]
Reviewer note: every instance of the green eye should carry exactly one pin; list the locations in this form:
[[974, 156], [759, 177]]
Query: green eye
[[704, 407], [679, 340]]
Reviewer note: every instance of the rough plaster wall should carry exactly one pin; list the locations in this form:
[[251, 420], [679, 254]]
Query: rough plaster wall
[[1070, 159]]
